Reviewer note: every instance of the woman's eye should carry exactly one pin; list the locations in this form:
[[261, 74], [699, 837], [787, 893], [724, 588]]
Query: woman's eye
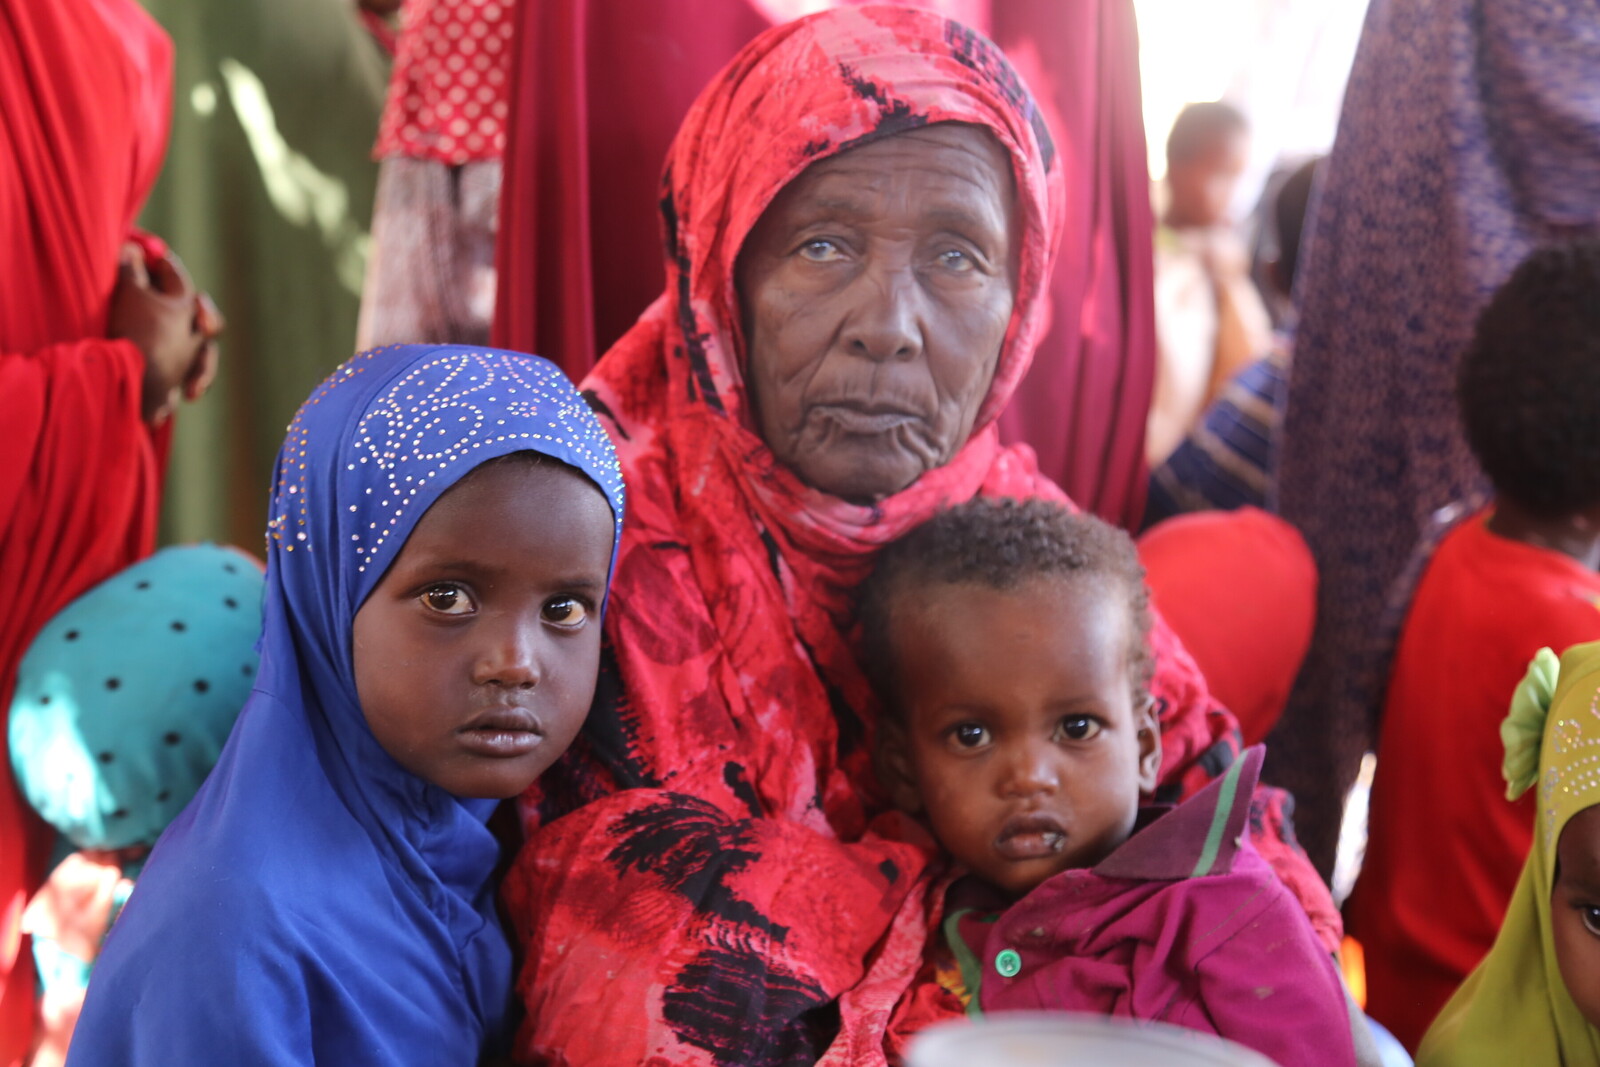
[[820, 251], [566, 611], [969, 735], [1591, 919], [1080, 727], [447, 600], [957, 260]]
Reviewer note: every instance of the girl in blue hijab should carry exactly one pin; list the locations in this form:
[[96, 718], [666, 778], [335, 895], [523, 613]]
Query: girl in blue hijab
[[442, 532]]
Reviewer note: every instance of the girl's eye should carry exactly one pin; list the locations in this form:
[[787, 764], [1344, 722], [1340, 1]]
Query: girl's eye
[[1591, 919], [969, 735], [1080, 727], [447, 600], [821, 250], [566, 611], [956, 260]]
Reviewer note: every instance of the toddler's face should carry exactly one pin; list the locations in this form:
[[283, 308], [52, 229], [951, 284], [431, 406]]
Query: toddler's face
[[476, 654], [1022, 736], [1575, 910]]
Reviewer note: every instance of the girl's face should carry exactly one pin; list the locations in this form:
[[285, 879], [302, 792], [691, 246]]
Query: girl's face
[[1575, 911], [476, 654]]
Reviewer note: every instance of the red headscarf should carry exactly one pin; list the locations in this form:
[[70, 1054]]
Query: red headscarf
[[745, 878], [86, 87]]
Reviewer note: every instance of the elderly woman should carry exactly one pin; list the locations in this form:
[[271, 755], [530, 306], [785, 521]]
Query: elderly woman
[[859, 218]]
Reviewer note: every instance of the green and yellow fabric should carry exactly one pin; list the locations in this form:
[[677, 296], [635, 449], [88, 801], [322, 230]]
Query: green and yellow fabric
[[1515, 1008]]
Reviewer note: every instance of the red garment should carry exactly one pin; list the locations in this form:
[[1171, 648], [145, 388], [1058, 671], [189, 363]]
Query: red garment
[[85, 85], [600, 87], [1240, 589], [1444, 845], [746, 877], [447, 92]]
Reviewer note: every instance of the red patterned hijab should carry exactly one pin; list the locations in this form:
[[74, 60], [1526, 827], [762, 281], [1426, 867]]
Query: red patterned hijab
[[726, 894]]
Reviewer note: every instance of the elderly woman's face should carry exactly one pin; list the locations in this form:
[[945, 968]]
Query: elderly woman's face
[[876, 291]]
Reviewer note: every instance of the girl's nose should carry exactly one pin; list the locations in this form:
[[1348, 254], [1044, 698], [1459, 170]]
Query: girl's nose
[[509, 655]]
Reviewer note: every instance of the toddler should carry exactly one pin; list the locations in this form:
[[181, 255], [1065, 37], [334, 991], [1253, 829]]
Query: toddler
[[443, 526], [1009, 641], [1535, 998], [122, 704]]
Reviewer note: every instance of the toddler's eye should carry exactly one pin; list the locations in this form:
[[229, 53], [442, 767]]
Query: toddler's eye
[[1080, 727], [1591, 919], [447, 599], [821, 250], [566, 611], [969, 735]]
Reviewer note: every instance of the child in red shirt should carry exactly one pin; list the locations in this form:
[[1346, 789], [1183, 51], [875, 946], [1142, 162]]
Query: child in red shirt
[[1505, 582]]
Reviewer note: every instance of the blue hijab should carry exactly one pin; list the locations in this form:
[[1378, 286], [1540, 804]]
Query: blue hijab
[[317, 902]]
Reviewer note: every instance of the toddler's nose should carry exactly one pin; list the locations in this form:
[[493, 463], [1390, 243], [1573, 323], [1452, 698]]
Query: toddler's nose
[[1030, 771]]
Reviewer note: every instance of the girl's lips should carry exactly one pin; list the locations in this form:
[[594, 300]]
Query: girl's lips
[[502, 733], [1033, 835]]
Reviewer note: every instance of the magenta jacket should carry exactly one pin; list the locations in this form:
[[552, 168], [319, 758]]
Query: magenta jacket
[[1185, 923]]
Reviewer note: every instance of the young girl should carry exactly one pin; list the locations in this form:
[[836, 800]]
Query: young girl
[[1009, 641], [1535, 998], [442, 531]]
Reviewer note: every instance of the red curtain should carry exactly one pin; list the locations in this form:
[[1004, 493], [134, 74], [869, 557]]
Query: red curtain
[[597, 94], [86, 86]]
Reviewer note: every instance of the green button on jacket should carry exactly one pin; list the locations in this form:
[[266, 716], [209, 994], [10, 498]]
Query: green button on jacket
[[1008, 963]]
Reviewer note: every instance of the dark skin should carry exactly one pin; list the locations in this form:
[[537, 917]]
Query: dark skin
[[476, 653], [1018, 733], [1575, 911], [173, 325], [1202, 185], [876, 291], [1576, 535]]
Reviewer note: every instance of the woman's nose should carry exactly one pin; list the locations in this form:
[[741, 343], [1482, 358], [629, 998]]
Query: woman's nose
[[884, 324], [509, 655], [1029, 771]]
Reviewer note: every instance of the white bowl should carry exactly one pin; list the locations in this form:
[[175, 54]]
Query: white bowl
[[1059, 1039]]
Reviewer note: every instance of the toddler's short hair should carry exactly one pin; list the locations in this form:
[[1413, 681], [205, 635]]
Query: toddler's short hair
[[1529, 383], [1001, 544]]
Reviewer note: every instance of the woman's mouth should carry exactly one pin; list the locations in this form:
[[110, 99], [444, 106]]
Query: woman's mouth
[[1029, 836], [864, 419], [502, 733]]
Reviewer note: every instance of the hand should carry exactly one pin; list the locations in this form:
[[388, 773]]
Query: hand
[[155, 306]]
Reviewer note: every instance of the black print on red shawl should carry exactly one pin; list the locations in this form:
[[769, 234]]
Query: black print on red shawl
[[599, 407], [612, 728], [979, 55], [852, 732], [731, 1002], [894, 115], [733, 774], [691, 846], [693, 338]]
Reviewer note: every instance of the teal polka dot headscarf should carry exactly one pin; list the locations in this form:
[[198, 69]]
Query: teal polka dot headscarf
[[125, 698]]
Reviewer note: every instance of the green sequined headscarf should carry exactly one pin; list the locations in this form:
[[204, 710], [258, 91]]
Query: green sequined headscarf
[[1514, 1008]]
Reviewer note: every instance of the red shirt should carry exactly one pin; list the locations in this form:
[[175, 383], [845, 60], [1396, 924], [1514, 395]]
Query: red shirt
[[447, 94], [1445, 846]]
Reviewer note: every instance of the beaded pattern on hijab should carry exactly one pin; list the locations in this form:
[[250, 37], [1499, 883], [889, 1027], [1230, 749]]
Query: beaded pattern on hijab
[[439, 423]]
